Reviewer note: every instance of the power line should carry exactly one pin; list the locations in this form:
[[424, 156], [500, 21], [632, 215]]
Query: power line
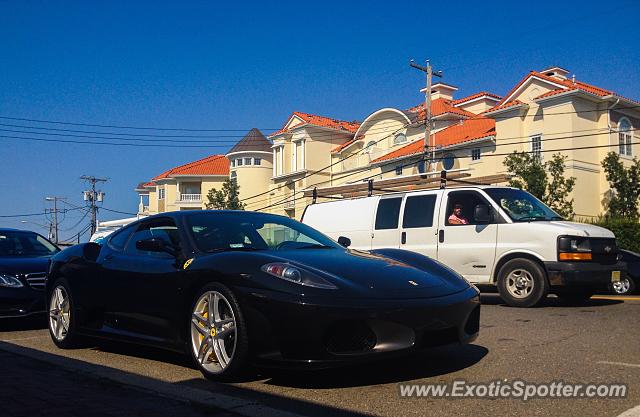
[[57, 122], [117, 211], [452, 149]]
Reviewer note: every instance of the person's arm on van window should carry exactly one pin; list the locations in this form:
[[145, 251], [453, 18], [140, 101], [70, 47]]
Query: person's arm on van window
[[456, 217]]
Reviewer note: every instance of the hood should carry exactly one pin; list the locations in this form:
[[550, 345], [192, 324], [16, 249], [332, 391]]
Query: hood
[[16, 266], [376, 275], [576, 229]]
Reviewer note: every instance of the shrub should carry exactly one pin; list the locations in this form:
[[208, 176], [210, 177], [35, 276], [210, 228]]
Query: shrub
[[627, 231]]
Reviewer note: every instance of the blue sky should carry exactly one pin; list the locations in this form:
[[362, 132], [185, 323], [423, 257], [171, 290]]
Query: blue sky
[[206, 65]]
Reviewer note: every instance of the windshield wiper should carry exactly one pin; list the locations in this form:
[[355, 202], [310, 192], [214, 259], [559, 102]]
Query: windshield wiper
[[238, 249], [315, 246], [530, 218]]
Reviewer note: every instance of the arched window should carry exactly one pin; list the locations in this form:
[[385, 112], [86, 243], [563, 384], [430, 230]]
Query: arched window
[[624, 136], [399, 138], [369, 147], [448, 162]]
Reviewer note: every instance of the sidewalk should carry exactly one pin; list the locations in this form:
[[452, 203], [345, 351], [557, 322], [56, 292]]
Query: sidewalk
[[30, 387]]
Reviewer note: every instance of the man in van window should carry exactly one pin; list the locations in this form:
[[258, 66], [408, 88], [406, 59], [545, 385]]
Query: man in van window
[[456, 217]]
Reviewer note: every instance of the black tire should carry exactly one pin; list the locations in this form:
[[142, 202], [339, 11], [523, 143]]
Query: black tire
[[629, 290], [534, 274], [237, 365], [577, 297], [71, 339]]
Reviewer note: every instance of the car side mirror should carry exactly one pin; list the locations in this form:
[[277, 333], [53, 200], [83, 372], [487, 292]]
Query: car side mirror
[[482, 214], [344, 241], [155, 245]]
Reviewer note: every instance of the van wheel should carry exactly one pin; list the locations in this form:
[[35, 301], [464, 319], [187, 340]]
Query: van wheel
[[522, 283]]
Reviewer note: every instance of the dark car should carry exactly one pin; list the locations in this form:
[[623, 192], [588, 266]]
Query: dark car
[[234, 287], [24, 259], [628, 283]]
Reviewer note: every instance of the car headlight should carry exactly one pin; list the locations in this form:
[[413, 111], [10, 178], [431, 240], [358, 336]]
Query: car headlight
[[297, 275], [10, 281], [574, 248]]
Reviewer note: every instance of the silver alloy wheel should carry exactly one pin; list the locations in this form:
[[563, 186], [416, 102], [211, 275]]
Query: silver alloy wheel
[[213, 332], [520, 283], [59, 313], [622, 286]]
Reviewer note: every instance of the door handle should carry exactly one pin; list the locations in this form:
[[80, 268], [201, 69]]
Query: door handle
[[108, 257], [403, 237], [441, 236]]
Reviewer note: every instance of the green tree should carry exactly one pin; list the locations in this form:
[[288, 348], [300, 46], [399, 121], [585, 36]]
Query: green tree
[[532, 175], [529, 173], [625, 186], [226, 198], [559, 188]]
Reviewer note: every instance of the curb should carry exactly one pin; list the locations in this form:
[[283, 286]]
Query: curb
[[222, 402]]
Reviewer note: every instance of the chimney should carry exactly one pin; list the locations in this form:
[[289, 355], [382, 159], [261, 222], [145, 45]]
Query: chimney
[[442, 90], [556, 72]]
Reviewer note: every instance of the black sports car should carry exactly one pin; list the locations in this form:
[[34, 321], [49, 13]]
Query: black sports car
[[24, 259], [233, 286]]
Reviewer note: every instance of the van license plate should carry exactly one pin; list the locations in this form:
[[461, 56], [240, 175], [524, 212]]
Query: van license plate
[[615, 276]]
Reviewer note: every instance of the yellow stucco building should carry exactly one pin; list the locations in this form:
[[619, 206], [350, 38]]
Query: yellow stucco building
[[545, 112]]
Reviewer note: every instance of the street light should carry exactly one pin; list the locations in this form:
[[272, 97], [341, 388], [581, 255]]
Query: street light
[[44, 226]]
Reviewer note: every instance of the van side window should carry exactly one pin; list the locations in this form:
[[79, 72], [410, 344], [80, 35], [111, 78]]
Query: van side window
[[418, 211], [461, 206], [388, 213]]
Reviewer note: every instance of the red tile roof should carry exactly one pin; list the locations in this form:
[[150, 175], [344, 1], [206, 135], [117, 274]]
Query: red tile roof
[[211, 165], [510, 103], [149, 184], [474, 96], [467, 130], [344, 145], [315, 120], [439, 107], [566, 85]]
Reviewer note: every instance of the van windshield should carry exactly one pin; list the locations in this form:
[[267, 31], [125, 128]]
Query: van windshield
[[521, 206]]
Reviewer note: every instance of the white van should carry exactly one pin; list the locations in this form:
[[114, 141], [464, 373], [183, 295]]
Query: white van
[[490, 235]]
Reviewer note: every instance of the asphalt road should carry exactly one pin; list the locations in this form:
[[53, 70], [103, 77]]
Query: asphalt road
[[595, 343]]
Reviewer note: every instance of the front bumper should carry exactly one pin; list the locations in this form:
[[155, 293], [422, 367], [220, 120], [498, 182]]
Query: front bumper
[[21, 302], [584, 275], [296, 330]]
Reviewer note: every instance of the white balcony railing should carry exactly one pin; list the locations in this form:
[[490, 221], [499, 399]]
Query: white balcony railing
[[290, 203], [190, 198]]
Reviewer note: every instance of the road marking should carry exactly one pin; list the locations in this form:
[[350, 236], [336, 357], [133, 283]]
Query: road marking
[[631, 365], [616, 297], [632, 412], [24, 338]]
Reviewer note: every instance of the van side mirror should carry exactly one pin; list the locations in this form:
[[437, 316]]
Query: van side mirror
[[482, 214], [344, 241], [155, 245]]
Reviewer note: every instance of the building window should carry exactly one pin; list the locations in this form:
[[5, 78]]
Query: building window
[[475, 154], [247, 161], [536, 146], [234, 176], [399, 138], [369, 147], [257, 161], [239, 162], [399, 170], [624, 136], [160, 193], [233, 163]]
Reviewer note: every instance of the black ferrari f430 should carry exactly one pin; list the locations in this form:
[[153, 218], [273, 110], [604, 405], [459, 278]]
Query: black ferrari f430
[[233, 287]]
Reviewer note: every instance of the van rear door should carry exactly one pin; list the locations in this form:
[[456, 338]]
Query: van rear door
[[385, 228], [469, 249], [419, 232]]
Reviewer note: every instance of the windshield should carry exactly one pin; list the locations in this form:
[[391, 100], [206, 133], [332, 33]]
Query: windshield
[[25, 244], [247, 231], [521, 206]]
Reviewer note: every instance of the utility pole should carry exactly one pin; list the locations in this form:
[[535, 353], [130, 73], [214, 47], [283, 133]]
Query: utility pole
[[54, 224], [429, 72], [93, 196]]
